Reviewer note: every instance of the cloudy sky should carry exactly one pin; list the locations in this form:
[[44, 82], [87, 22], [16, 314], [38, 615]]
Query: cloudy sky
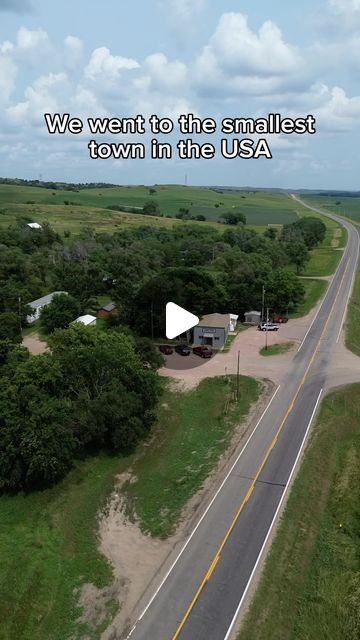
[[213, 58]]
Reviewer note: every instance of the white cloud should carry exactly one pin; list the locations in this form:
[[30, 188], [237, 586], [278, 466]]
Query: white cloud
[[164, 74], [104, 66], [27, 39], [244, 61], [47, 94], [335, 110], [345, 6]]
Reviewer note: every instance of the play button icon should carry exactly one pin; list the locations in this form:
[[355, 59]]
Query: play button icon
[[178, 320]]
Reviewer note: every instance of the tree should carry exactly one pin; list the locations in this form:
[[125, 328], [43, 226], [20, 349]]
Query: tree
[[151, 208], [312, 230], [298, 253], [10, 327], [62, 310], [233, 218], [284, 290]]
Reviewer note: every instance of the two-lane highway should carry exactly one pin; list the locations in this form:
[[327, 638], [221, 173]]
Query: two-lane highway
[[202, 593]]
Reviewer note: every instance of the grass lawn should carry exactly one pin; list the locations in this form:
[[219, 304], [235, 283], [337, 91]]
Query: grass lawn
[[48, 548], [276, 349], [314, 291], [184, 454], [353, 319], [310, 587], [323, 262]]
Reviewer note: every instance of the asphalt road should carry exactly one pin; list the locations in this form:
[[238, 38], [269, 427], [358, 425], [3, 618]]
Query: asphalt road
[[202, 594]]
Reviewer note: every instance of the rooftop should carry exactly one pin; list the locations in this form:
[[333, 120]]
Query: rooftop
[[34, 225], [111, 306], [217, 320], [87, 319], [40, 302]]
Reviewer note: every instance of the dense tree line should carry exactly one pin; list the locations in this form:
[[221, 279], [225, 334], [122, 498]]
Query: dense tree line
[[198, 267], [97, 389], [91, 392]]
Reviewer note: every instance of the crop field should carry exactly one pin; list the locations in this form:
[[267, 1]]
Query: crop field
[[260, 208], [347, 206]]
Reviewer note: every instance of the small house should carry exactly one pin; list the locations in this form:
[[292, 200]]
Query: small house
[[213, 330], [253, 317], [107, 310], [87, 320], [39, 304]]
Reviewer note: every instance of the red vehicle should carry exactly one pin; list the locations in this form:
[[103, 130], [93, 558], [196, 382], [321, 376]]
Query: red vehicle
[[166, 349], [280, 319], [203, 351]]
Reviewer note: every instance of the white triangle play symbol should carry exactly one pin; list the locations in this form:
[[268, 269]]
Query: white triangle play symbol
[[178, 320]]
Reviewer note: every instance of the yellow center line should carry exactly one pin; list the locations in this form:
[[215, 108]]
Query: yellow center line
[[216, 559]]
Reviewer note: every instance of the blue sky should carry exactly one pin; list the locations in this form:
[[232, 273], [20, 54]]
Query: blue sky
[[210, 57]]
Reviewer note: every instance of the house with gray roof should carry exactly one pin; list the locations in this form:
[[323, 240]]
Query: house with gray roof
[[39, 304]]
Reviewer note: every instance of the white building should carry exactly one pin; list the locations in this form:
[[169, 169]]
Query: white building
[[38, 305], [34, 225], [88, 320]]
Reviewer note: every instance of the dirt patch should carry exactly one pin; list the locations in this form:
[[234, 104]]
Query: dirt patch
[[35, 345], [141, 562], [336, 238]]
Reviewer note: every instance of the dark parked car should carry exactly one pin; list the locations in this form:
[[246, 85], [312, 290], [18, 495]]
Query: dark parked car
[[183, 349], [203, 351], [166, 349]]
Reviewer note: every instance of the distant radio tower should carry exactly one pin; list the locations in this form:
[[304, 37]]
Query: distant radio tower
[[40, 177], [186, 181]]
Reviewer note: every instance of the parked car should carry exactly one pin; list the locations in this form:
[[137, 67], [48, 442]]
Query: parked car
[[183, 349], [268, 326], [203, 351], [280, 319], [166, 349]]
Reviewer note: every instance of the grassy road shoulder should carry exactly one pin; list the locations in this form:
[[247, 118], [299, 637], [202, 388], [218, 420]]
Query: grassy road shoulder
[[194, 430], [310, 585]]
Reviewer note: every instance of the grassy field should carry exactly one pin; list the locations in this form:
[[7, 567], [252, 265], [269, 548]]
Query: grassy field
[[48, 548], [48, 539], [347, 206], [323, 262], [182, 456], [260, 208], [314, 291], [310, 587], [276, 349]]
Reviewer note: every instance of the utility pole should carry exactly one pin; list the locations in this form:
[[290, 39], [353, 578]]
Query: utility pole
[[266, 332], [19, 301], [238, 378], [152, 319], [263, 304]]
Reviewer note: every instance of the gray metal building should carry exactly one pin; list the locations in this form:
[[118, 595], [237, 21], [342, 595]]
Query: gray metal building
[[212, 330]]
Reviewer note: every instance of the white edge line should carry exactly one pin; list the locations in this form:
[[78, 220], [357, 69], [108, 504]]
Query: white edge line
[[350, 294], [203, 516], [234, 620]]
